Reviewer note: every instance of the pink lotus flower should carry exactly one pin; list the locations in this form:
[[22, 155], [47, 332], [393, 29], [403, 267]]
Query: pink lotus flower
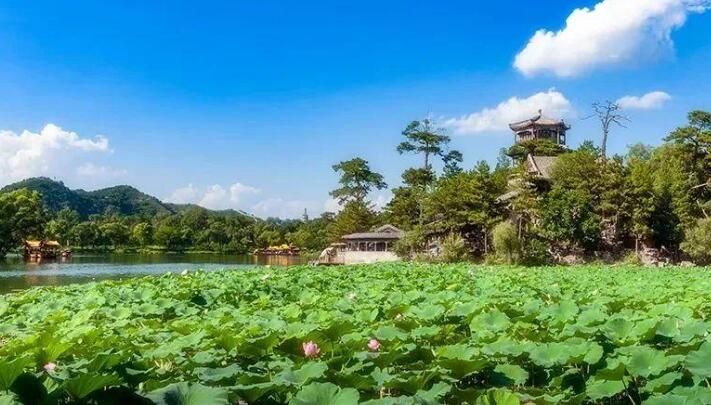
[[49, 367], [374, 345], [311, 349]]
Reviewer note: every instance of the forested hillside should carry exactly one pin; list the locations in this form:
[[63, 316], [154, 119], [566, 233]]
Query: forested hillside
[[124, 200]]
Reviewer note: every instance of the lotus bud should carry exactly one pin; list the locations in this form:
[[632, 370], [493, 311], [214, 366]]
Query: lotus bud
[[311, 349], [373, 345]]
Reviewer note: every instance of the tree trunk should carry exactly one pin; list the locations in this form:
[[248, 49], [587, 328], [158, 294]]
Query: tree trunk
[[486, 243]]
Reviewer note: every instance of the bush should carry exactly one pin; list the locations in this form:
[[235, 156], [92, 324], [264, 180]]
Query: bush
[[697, 243], [506, 242], [411, 243], [453, 249]]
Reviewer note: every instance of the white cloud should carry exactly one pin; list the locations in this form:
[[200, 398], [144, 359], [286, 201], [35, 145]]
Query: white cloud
[[381, 201], [332, 205], [213, 197], [51, 152], [613, 32], [93, 170], [237, 190], [651, 100], [280, 208], [184, 195], [552, 102]]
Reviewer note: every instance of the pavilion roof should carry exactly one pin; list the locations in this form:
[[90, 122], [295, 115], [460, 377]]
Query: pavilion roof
[[541, 165], [538, 120], [385, 232]]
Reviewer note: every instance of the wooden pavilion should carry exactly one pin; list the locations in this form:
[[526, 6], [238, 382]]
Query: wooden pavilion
[[42, 249], [540, 127]]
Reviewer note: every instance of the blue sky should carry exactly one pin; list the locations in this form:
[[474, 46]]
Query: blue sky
[[248, 104]]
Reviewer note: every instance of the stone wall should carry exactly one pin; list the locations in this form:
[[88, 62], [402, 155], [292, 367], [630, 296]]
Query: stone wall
[[353, 257]]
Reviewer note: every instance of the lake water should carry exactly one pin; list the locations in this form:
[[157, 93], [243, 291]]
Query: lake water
[[16, 274]]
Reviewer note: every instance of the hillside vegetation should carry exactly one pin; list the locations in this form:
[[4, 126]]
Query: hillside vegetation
[[124, 200]]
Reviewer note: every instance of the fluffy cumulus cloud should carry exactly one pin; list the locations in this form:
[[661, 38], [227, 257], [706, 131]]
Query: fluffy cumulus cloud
[[378, 203], [214, 196], [654, 99], [332, 205], [51, 152], [281, 208], [98, 171], [613, 32], [496, 119]]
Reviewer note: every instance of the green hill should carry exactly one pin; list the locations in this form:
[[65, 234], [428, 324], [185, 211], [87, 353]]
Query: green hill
[[124, 200]]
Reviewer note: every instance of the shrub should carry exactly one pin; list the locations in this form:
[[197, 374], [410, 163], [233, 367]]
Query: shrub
[[697, 243], [411, 243], [453, 249], [506, 242]]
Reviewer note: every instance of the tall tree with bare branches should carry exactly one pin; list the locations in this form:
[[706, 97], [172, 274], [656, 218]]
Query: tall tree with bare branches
[[608, 113]]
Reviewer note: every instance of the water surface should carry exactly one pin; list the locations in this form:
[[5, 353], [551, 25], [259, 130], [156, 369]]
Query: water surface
[[16, 274]]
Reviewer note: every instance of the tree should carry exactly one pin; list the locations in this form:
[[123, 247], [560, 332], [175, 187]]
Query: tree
[[169, 236], [506, 242], [608, 113], [640, 186], [142, 234], [356, 216], [115, 233], [356, 180], [21, 216], [536, 147], [697, 243], [62, 226], [465, 204], [424, 138], [86, 234]]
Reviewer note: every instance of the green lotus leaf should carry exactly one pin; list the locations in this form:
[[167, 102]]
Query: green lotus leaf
[[425, 331], [662, 383], [83, 385], [562, 312], [458, 352], [646, 362], [432, 396], [10, 370], [308, 372], [381, 377], [389, 332], [668, 328], [498, 397], [599, 389], [217, 374], [9, 399], [513, 372], [669, 399], [325, 394], [494, 321], [504, 346], [694, 395], [188, 394], [427, 312], [699, 362]]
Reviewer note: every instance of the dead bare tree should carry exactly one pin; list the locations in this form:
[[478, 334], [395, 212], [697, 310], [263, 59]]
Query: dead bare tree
[[608, 113]]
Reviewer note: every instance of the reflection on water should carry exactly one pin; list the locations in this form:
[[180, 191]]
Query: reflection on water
[[16, 274]]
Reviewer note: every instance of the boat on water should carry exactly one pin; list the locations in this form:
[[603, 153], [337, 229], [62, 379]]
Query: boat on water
[[36, 250], [281, 250]]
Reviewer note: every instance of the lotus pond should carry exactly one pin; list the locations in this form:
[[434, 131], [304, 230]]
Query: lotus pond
[[377, 334]]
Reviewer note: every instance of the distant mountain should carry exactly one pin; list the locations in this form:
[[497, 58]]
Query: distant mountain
[[125, 200]]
